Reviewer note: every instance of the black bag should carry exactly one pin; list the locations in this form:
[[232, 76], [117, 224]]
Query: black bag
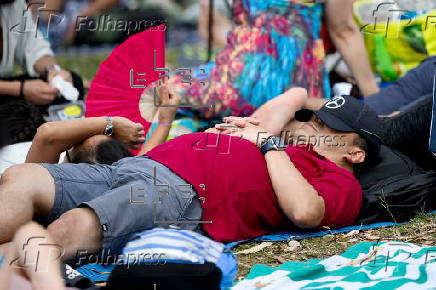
[[395, 189], [168, 276]]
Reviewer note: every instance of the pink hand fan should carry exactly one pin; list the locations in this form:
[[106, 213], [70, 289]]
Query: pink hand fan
[[117, 87]]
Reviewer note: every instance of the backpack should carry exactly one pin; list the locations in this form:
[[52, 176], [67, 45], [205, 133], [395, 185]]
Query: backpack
[[168, 276], [395, 189]]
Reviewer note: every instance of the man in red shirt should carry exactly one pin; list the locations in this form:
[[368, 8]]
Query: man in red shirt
[[230, 186]]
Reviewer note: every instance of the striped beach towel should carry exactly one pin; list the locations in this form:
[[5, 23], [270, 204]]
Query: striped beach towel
[[175, 245], [385, 265], [181, 246]]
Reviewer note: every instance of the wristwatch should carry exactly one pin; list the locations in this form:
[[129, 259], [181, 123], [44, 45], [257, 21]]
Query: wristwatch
[[109, 130], [272, 143]]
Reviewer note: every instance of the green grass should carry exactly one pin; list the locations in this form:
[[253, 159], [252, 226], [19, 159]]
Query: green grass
[[86, 66], [421, 230]]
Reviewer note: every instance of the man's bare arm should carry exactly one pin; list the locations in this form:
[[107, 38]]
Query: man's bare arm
[[158, 137], [314, 104], [277, 112], [297, 198], [53, 138], [42, 63], [169, 100], [11, 88]]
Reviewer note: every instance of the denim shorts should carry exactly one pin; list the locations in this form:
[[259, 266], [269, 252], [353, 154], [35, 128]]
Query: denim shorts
[[129, 196]]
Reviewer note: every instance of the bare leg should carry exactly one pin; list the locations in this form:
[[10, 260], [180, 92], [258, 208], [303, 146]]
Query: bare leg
[[4, 249], [5, 271], [25, 190], [276, 113], [78, 231], [34, 254], [221, 25]]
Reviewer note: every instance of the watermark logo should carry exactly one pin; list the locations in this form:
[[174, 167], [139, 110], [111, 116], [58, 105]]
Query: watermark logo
[[392, 253], [106, 23], [33, 258], [390, 20], [139, 196], [105, 257], [27, 24]]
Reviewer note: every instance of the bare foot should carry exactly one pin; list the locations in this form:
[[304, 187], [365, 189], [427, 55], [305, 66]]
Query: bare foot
[[277, 112]]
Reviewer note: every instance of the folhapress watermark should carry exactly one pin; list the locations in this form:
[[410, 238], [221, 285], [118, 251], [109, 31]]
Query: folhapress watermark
[[105, 257], [106, 23]]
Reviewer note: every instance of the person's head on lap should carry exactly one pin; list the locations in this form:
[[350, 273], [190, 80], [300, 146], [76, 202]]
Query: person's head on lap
[[344, 130], [98, 149]]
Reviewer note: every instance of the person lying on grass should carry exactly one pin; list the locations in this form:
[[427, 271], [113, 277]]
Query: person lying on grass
[[102, 140], [228, 186]]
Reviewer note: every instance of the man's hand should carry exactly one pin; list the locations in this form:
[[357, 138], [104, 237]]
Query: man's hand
[[241, 121], [244, 129], [231, 123], [128, 132], [167, 98], [39, 92]]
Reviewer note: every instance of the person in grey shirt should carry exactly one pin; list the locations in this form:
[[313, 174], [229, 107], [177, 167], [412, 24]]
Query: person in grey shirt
[[22, 44]]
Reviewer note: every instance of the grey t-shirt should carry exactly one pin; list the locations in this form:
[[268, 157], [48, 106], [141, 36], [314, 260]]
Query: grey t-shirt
[[22, 42]]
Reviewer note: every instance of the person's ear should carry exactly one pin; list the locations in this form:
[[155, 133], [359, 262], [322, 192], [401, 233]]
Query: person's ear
[[355, 155]]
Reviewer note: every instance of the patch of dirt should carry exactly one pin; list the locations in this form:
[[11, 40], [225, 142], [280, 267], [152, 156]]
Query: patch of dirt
[[420, 231]]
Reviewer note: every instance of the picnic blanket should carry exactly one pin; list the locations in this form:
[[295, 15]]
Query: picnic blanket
[[386, 265], [100, 273], [304, 234], [299, 235]]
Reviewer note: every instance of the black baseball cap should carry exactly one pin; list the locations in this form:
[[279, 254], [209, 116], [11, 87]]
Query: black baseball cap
[[348, 114]]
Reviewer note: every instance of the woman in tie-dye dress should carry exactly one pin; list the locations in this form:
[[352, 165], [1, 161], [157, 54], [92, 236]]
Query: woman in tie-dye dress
[[274, 45]]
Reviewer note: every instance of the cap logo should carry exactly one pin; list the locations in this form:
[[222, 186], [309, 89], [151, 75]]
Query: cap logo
[[335, 103]]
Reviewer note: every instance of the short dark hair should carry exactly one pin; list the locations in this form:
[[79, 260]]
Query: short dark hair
[[106, 152]]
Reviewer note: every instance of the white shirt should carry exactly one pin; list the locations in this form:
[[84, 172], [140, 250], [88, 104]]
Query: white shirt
[[22, 42]]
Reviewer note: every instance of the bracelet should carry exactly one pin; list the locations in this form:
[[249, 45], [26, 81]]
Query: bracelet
[[109, 129], [22, 88], [166, 124]]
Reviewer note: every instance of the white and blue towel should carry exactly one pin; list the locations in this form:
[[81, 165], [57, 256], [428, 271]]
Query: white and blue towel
[[181, 246], [178, 245]]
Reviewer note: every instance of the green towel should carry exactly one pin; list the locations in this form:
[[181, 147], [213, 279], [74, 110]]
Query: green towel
[[386, 265]]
